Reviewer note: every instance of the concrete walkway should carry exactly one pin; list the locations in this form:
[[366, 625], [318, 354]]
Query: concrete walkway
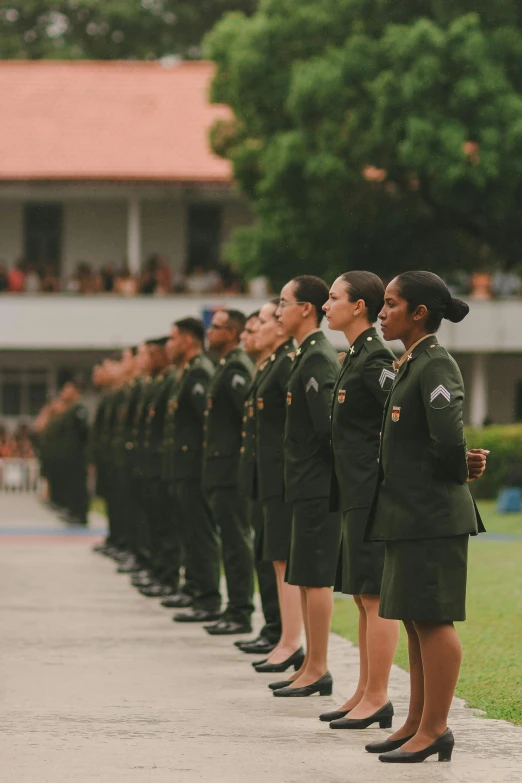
[[97, 684]]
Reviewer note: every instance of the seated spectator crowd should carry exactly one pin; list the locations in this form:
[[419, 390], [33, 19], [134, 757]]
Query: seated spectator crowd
[[18, 444], [156, 278]]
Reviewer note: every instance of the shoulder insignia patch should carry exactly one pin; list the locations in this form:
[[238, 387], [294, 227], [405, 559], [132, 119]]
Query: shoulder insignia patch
[[396, 413], [238, 380], [386, 379], [440, 397], [198, 389], [312, 386], [341, 396]]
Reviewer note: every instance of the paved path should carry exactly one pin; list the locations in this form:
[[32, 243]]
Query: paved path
[[98, 685]]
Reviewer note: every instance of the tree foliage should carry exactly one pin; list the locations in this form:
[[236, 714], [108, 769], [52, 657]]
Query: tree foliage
[[109, 29], [373, 134]]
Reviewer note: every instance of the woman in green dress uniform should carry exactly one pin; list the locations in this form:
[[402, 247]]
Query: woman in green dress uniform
[[363, 385], [316, 532], [423, 509], [269, 408]]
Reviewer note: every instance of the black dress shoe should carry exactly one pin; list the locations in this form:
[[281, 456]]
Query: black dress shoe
[[275, 686], [255, 664], [335, 715], [387, 745], [196, 616], [156, 591], [262, 647], [295, 660], [177, 601], [227, 627], [323, 687], [443, 746], [143, 581], [383, 717]]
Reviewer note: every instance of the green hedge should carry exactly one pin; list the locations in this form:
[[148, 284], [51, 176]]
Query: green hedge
[[505, 461]]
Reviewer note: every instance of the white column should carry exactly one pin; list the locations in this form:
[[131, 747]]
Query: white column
[[479, 390], [134, 235]]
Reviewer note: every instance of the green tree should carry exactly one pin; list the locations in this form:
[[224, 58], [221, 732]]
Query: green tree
[[109, 29], [374, 134]]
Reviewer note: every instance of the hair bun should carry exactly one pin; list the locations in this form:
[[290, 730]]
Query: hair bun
[[457, 310]]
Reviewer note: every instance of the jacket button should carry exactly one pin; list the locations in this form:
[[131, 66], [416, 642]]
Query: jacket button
[[243, 434], [204, 444], [184, 448], [242, 450], [216, 454]]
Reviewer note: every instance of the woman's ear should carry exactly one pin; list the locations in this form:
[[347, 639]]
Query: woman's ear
[[420, 313]]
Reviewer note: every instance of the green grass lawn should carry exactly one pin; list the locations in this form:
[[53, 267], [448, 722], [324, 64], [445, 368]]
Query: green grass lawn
[[491, 675]]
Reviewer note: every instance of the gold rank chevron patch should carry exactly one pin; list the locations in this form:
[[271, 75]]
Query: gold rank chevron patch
[[440, 397]]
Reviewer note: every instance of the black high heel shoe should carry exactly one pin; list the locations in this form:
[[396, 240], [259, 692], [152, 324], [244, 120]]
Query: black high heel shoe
[[387, 745], [443, 746], [275, 686], [295, 660], [327, 717], [383, 717], [323, 687]]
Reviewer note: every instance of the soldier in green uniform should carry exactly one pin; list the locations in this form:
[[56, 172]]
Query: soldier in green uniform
[[316, 532], [72, 435], [360, 393], [102, 380], [270, 633], [182, 466], [269, 408], [423, 509], [223, 426]]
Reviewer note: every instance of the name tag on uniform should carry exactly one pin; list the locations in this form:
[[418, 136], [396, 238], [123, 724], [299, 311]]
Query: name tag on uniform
[[341, 396], [289, 398], [396, 413], [260, 403]]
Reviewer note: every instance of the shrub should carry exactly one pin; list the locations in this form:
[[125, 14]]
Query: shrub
[[505, 461]]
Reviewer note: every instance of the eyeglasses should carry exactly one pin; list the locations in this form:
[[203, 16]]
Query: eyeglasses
[[282, 305]]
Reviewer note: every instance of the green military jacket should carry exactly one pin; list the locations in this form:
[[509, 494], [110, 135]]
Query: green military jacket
[[422, 491], [154, 423], [359, 396], [227, 392], [93, 450], [247, 474], [270, 416], [72, 431], [308, 460], [183, 434], [135, 445]]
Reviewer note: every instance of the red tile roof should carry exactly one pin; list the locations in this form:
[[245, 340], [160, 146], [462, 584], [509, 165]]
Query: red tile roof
[[108, 121]]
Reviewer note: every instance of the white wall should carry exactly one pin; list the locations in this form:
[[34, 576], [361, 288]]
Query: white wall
[[11, 231]]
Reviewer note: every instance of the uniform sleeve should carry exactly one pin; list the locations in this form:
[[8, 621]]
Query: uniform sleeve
[[237, 380], [443, 393], [378, 375], [198, 386], [81, 423], [319, 376], [283, 373]]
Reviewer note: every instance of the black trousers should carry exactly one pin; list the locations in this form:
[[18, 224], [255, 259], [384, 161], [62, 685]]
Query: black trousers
[[230, 516], [200, 543], [266, 578], [163, 540]]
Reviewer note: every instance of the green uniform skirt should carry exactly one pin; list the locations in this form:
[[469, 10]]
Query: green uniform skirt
[[425, 580], [362, 562], [277, 529], [314, 545]]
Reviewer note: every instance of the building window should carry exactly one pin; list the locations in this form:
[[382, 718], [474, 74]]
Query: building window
[[23, 392], [43, 233], [204, 236]]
